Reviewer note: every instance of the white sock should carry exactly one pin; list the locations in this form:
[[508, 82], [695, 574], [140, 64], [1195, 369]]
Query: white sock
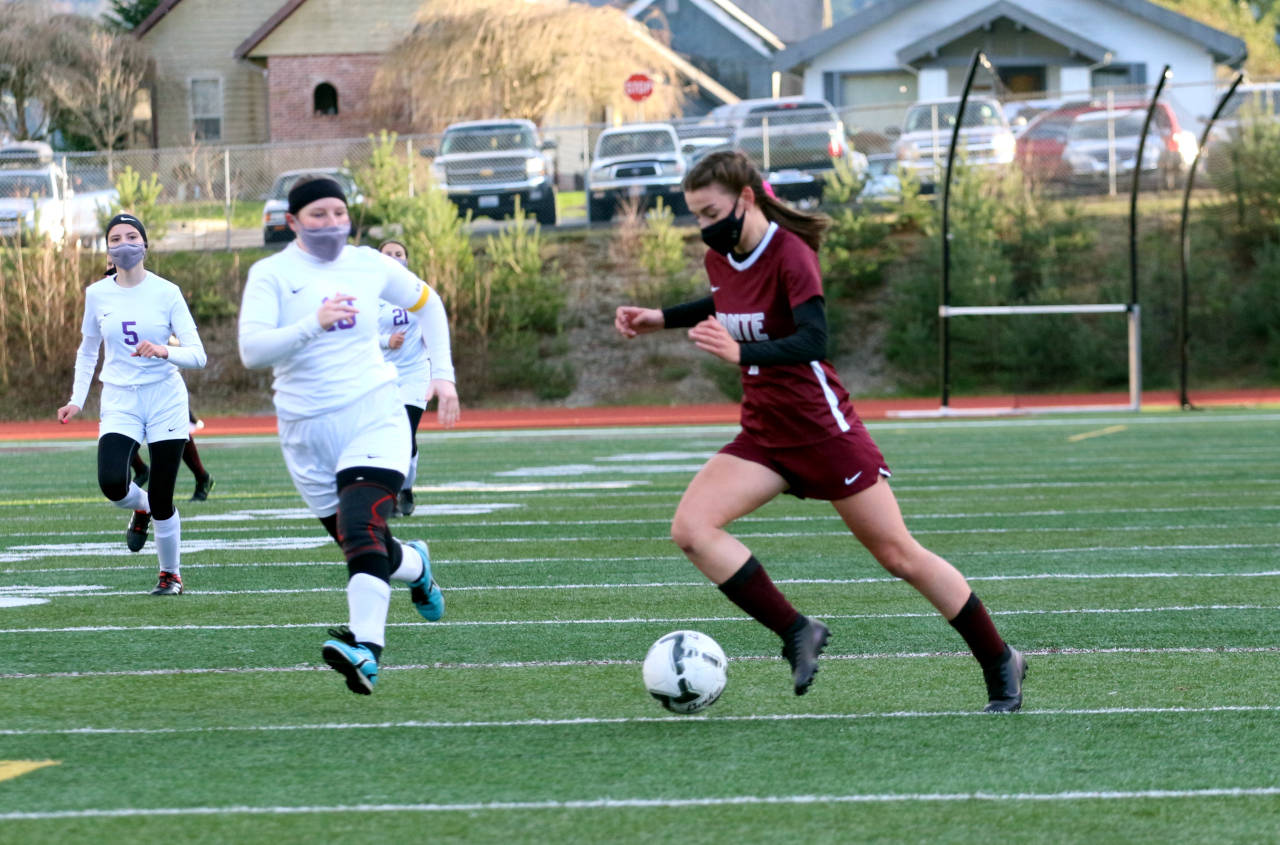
[[134, 500], [413, 472], [410, 568], [168, 540], [367, 601]]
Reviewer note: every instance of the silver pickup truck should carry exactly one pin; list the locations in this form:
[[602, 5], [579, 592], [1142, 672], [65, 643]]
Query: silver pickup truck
[[37, 199], [486, 165]]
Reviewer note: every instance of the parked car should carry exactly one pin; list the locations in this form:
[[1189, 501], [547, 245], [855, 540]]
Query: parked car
[[882, 184], [1099, 135], [1038, 150], [37, 197], [985, 137], [638, 163], [486, 165], [795, 141], [274, 227]]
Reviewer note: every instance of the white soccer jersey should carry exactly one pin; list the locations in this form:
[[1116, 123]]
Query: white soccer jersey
[[318, 370], [411, 359], [119, 318]]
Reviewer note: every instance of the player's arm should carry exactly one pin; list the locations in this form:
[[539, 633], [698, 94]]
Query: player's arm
[[86, 362], [807, 343], [189, 352], [405, 289], [263, 342]]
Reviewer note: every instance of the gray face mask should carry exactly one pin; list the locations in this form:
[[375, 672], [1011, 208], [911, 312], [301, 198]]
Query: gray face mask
[[325, 242], [127, 255]]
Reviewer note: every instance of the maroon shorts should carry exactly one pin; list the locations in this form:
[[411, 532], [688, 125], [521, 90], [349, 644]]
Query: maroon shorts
[[830, 469]]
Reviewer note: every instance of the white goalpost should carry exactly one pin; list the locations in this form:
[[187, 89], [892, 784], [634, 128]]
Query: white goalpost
[[1134, 312]]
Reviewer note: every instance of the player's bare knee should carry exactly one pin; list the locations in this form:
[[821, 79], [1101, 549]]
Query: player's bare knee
[[898, 558], [687, 533]]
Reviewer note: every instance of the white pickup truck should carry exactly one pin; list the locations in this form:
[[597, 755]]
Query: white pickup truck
[[38, 199]]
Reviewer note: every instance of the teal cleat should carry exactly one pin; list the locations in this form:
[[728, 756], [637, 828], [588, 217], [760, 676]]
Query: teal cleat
[[425, 592], [354, 661]]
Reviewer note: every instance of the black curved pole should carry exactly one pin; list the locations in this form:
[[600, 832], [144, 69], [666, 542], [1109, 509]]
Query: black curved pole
[[1133, 194], [944, 327], [1184, 240]]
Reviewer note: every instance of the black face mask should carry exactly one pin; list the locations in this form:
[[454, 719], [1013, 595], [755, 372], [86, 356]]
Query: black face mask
[[724, 234]]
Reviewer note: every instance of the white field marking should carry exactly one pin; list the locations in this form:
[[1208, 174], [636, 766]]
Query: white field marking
[[39, 551], [301, 514], [285, 514], [488, 588], [20, 601], [639, 720], [560, 470], [660, 803], [633, 620], [1214, 547], [635, 457], [336, 561], [554, 664], [491, 487]]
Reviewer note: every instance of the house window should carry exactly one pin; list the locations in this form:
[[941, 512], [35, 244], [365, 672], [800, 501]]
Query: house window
[[206, 109], [325, 99], [1118, 77]]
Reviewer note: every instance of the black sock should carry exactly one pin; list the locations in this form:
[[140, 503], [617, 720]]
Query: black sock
[[979, 632], [751, 589]]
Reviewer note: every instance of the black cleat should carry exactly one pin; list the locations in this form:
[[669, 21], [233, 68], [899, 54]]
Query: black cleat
[[1004, 682], [204, 486], [170, 584], [405, 506], [140, 476], [135, 536], [801, 647]]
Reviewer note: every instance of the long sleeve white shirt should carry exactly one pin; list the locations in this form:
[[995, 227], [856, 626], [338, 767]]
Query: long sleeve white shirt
[[318, 370], [118, 318]]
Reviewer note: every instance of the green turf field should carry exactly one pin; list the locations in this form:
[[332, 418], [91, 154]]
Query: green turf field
[[1134, 558]]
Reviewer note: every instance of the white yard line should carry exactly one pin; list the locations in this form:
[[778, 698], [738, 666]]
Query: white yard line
[[634, 720], [662, 803], [631, 620], [549, 664]]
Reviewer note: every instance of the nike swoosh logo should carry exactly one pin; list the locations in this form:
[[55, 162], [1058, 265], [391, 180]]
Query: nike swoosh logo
[[714, 288], [295, 290], [849, 481]]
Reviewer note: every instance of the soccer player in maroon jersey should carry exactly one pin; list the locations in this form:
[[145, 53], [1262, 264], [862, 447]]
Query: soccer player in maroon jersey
[[800, 434]]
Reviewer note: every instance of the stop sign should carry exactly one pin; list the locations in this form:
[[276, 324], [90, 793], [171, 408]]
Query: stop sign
[[638, 86]]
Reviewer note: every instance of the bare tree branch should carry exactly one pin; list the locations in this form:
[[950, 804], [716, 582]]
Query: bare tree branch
[[490, 58]]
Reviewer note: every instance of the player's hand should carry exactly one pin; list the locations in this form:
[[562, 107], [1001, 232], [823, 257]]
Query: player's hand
[[631, 320], [147, 349], [335, 308], [447, 408], [66, 412], [711, 336], [396, 340]]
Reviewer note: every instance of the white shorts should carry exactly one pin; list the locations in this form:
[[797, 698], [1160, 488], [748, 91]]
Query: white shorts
[[147, 413], [372, 431], [413, 387]]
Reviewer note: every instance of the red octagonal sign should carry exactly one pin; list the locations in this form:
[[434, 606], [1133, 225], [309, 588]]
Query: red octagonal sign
[[638, 86]]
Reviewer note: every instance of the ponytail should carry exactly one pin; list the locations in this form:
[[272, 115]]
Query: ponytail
[[733, 171]]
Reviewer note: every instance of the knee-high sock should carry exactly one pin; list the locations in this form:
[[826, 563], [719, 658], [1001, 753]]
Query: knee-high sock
[[134, 500], [367, 601], [413, 472], [168, 541], [410, 568]]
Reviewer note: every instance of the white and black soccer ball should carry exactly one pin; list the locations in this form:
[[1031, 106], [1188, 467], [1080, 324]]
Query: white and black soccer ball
[[686, 671]]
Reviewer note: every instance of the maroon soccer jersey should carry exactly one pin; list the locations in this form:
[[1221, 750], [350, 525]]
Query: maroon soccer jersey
[[782, 404]]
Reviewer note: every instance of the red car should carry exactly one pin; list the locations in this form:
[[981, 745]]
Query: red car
[[1038, 150]]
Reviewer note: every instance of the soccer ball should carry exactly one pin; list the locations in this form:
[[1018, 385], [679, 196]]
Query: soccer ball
[[685, 671]]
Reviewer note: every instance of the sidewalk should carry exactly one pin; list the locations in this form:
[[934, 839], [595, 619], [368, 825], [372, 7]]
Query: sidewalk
[[721, 414]]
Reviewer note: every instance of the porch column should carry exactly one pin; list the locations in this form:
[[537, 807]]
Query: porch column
[[931, 84], [1075, 80]]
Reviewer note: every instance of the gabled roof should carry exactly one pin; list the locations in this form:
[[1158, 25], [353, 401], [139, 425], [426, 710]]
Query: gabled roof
[[1223, 47], [268, 27], [154, 18], [732, 18], [934, 41]]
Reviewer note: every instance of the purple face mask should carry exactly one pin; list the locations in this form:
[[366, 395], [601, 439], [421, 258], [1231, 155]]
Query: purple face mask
[[127, 255], [325, 242]]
